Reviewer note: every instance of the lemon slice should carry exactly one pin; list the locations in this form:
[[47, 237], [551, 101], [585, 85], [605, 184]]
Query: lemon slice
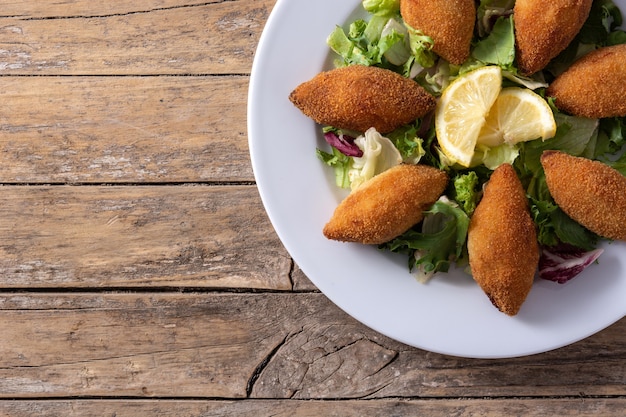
[[518, 115], [461, 111]]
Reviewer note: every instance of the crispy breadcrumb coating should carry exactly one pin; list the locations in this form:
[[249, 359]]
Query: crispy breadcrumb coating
[[594, 86], [502, 242], [387, 205], [450, 23], [358, 97], [544, 28], [590, 192]]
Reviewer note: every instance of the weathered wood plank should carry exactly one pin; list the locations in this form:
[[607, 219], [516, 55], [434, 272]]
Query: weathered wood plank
[[124, 129], [48, 9], [300, 281], [266, 346], [378, 408], [337, 358], [134, 345], [149, 236], [146, 37]]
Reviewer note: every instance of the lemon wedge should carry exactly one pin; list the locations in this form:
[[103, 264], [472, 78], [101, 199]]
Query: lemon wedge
[[518, 115], [462, 110]]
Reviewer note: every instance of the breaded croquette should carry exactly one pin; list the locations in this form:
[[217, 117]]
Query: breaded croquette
[[594, 86], [502, 242], [590, 192], [450, 23], [543, 29], [358, 97], [387, 205]]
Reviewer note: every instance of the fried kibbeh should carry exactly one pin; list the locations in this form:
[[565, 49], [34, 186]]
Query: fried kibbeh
[[358, 97], [543, 29], [502, 242], [594, 86], [588, 191], [450, 23], [387, 205]]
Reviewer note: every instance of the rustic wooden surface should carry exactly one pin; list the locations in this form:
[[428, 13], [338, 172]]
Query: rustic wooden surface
[[139, 273]]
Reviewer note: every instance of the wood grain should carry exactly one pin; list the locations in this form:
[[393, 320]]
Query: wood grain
[[263, 346], [49, 9], [129, 345], [124, 129], [179, 236], [300, 281], [136, 38], [580, 406]]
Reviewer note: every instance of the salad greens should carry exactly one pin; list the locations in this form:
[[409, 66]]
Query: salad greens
[[489, 11], [382, 7], [384, 40], [466, 191], [440, 242], [498, 48]]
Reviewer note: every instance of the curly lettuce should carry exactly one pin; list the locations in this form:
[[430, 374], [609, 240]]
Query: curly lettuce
[[437, 244], [467, 191], [382, 7]]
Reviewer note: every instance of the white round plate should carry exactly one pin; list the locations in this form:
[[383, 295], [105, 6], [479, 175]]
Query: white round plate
[[450, 314]]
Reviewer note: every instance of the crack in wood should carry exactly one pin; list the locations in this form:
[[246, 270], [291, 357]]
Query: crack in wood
[[262, 365], [396, 355], [292, 267], [134, 12], [324, 363]]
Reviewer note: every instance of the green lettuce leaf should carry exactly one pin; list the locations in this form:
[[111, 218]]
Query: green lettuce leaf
[[467, 191], [569, 231], [381, 41], [407, 141], [604, 17], [440, 242], [347, 48], [499, 47], [573, 136], [611, 137], [617, 37], [382, 7], [541, 211], [421, 48], [394, 43], [374, 29], [340, 163], [492, 158], [555, 227]]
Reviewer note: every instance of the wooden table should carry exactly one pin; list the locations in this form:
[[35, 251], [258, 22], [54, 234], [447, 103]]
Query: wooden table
[[140, 275]]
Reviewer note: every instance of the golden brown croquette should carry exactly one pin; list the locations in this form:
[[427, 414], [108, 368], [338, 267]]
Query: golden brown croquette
[[594, 86], [358, 97], [543, 29], [502, 242], [590, 192], [450, 23], [387, 205]]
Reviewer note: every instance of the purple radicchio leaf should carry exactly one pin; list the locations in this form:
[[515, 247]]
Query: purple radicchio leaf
[[563, 262], [344, 143]]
